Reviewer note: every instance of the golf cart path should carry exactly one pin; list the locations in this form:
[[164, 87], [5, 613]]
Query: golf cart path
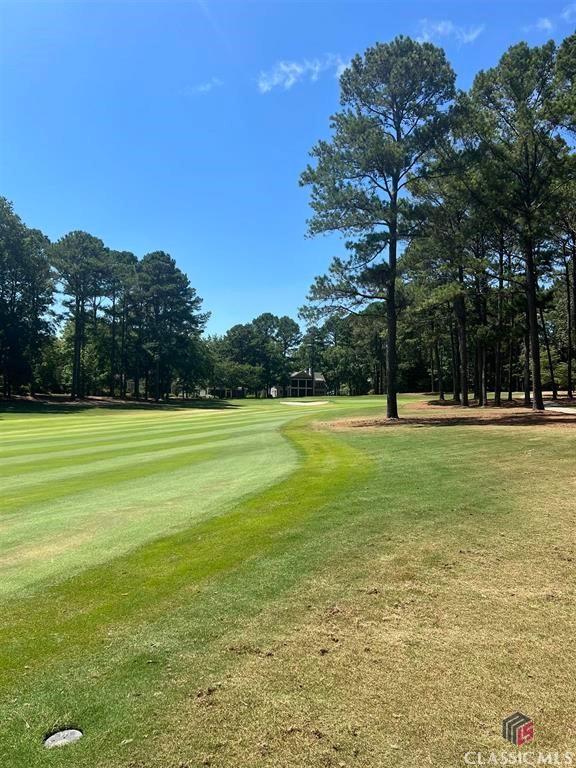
[[559, 409]]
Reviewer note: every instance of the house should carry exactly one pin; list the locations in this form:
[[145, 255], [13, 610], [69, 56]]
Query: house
[[306, 384]]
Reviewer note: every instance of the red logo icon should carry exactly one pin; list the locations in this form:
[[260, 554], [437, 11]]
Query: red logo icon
[[518, 729]]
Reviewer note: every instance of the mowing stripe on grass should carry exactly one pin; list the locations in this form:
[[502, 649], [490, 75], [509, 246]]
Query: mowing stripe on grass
[[72, 517], [80, 610]]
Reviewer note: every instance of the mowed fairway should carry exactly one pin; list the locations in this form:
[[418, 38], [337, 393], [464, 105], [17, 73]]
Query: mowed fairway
[[240, 586], [83, 487]]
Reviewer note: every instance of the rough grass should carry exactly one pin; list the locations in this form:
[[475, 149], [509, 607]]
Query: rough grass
[[428, 626], [386, 603]]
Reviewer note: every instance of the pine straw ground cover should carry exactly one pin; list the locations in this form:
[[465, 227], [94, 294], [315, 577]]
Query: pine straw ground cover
[[387, 604]]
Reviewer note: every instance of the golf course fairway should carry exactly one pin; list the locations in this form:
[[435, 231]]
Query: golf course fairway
[[250, 584]]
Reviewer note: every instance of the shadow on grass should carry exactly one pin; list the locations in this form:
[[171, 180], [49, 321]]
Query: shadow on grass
[[61, 405], [475, 404]]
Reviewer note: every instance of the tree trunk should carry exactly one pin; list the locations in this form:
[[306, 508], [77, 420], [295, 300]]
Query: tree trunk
[[157, 379], [549, 355], [483, 377], [391, 354], [455, 366], [527, 396], [76, 353], [123, 334], [81, 375], [113, 349], [570, 388], [498, 373], [574, 295], [510, 368], [498, 349], [531, 291], [476, 379], [460, 312], [137, 373], [439, 370]]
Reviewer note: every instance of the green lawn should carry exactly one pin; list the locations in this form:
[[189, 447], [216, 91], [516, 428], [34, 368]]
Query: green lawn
[[236, 586]]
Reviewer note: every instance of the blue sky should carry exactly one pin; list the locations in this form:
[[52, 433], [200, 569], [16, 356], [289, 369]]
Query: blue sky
[[183, 126]]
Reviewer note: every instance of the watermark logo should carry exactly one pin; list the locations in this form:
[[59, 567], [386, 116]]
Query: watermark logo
[[518, 729]]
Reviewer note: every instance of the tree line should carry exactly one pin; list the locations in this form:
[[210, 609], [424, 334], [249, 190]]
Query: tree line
[[118, 319], [478, 188], [458, 215]]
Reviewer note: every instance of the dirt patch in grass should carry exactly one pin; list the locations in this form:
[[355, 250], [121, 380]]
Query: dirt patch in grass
[[434, 414]]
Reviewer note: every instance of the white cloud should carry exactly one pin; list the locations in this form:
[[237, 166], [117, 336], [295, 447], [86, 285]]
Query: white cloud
[[569, 13], [544, 24], [435, 30], [285, 74], [205, 87], [341, 67]]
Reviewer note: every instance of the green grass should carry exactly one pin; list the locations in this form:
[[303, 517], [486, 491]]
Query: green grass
[[167, 577], [79, 489]]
